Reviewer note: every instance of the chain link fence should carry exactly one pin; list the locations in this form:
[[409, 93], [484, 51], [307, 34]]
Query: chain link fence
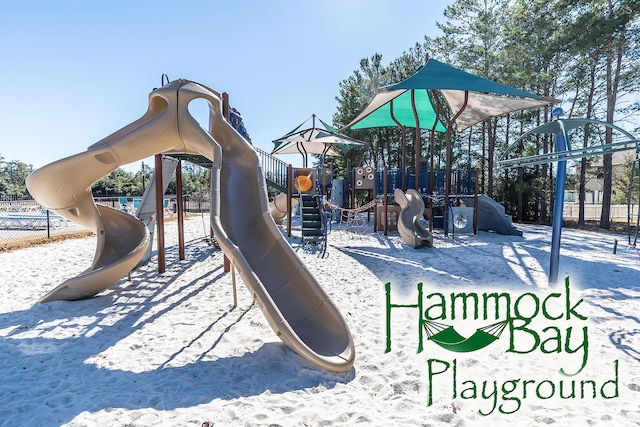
[[24, 222]]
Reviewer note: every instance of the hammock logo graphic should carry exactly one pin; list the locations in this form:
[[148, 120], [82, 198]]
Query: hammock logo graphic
[[448, 338], [550, 324], [535, 322], [442, 334]]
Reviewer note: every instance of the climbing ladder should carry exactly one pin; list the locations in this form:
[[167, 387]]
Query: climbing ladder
[[313, 229], [313, 218]]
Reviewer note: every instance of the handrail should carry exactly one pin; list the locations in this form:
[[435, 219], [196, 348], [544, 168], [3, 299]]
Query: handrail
[[274, 169]]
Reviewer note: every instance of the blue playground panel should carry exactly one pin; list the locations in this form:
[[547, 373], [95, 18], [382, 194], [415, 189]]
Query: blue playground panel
[[462, 181]]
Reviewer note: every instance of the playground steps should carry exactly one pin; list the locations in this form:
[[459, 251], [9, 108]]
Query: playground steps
[[312, 227]]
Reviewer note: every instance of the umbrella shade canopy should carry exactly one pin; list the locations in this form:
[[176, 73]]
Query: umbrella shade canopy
[[485, 99], [321, 139]]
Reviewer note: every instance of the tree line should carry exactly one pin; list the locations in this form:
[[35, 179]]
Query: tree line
[[584, 52], [118, 183]]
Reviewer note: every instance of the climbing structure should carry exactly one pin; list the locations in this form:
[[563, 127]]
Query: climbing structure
[[313, 229]]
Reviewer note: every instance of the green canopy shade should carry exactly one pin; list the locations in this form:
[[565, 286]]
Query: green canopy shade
[[397, 104], [470, 98], [439, 76], [485, 99]]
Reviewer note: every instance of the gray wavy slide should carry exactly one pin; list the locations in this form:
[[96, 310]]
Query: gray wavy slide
[[492, 217], [295, 305], [412, 232]]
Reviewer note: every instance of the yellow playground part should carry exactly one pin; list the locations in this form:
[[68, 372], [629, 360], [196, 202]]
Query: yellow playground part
[[302, 183]]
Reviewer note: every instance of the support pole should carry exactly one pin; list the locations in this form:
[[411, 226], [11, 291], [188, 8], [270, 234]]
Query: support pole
[[225, 114], [432, 173], [349, 190], [160, 213], [289, 196], [323, 180], [447, 180], [475, 201], [180, 206], [417, 143], [385, 202], [556, 224], [375, 215], [233, 282]]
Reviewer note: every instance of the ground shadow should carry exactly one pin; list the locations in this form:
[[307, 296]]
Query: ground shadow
[[621, 340], [46, 372]]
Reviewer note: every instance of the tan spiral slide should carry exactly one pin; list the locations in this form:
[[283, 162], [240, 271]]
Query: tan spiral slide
[[297, 308]]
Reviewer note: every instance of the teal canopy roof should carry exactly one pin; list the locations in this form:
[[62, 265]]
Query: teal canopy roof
[[397, 105], [439, 76], [484, 99]]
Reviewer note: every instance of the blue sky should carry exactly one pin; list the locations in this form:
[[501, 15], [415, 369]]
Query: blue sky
[[73, 72]]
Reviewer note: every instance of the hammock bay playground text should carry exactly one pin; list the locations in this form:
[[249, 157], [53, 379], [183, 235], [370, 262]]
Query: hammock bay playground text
[[551, 324]]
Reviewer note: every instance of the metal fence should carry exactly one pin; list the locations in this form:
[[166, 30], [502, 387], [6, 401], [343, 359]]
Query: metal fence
[[24, 222], [593, 211]]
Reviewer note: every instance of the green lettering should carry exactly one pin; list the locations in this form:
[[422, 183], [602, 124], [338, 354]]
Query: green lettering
[[584, 346], [544, 307], [524, 329], [431, 375], [556, 339], [507, 388], [571, 310], [613, 382], [389, 306], [441, 305]]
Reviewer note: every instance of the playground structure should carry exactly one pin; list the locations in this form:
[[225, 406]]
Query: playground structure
[[430, 186], [324, 141], [467, 213], [565, 151], [293, 302], [490, 216], [420, 102]]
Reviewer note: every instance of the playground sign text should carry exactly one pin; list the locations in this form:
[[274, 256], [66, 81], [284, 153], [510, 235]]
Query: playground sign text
[[551, 325]]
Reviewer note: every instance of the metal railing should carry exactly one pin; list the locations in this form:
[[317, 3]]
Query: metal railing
[[274, 169]]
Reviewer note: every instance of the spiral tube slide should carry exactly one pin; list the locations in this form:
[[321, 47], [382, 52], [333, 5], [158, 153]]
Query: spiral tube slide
[[295, 305]]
